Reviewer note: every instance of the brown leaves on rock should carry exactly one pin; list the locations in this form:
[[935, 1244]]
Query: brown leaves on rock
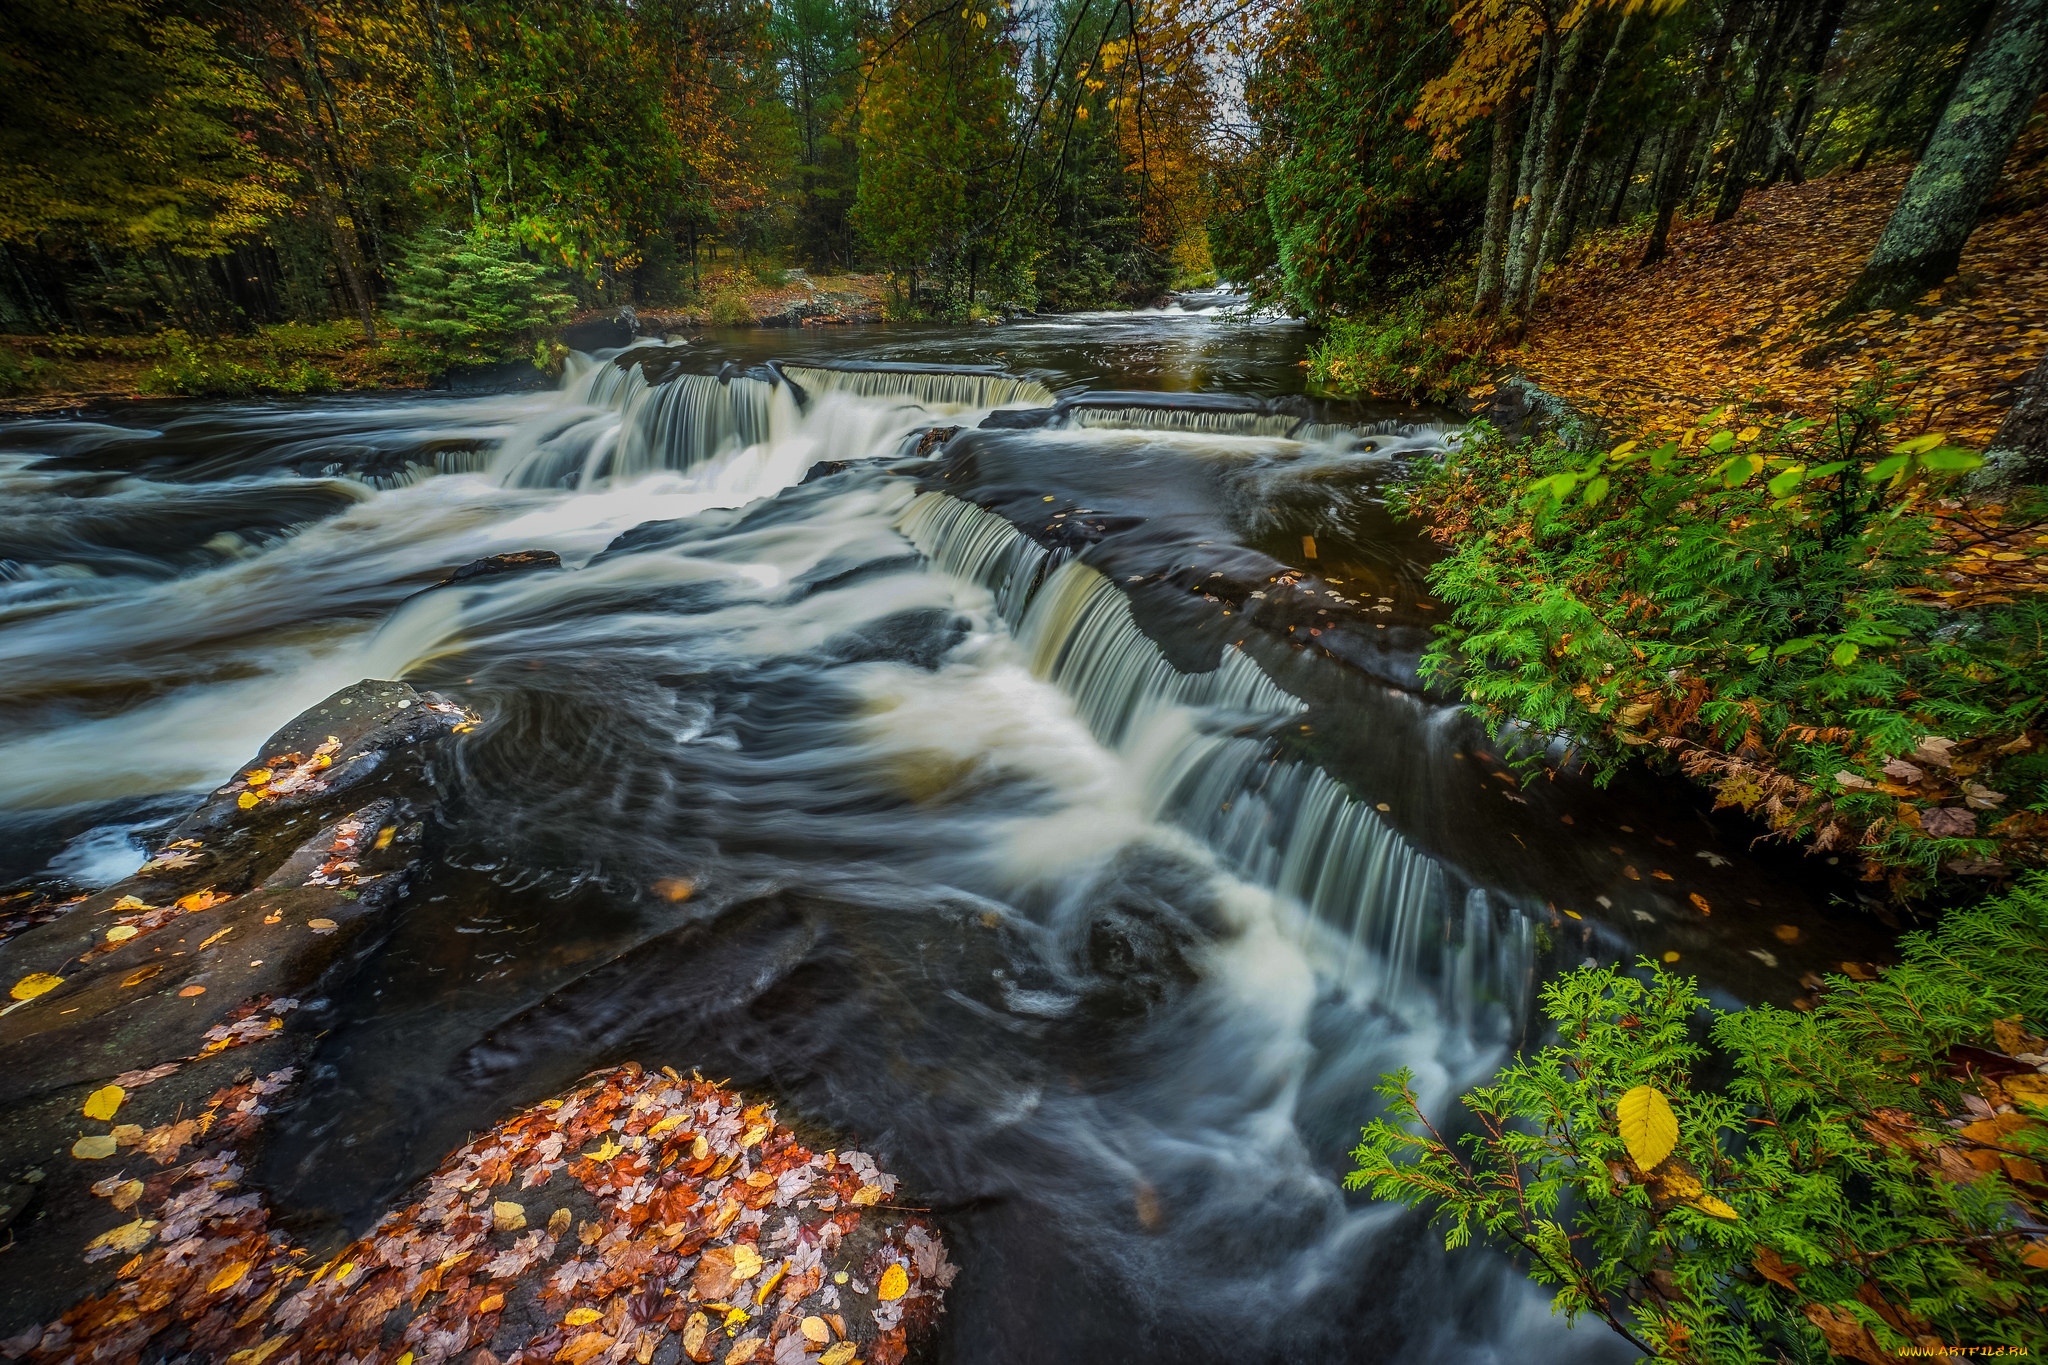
[[709, 1221]]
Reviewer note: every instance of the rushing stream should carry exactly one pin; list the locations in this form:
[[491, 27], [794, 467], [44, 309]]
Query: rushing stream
[[1095, 907]]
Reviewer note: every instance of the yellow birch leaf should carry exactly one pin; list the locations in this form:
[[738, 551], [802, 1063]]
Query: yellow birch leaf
[[841, 1354], [577, 1317], [1648, 1127], [102, 1103], [93, 1148], [128, 1239], [746, 1261], [35, 984], [1706, 1203], [895, 1283]]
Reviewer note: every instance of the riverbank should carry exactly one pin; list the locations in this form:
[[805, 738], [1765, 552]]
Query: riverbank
[[59, 371]]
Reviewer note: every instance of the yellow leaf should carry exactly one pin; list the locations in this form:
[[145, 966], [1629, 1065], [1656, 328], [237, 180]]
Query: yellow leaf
[[507, 1216], [35, 984], [127, 1135], [768, 1285], [558, 1222], [320, 924], [1648, 1127], [121, 933], [666, 1124], [814, 1329], [93, 1148], [258, 776], [577, 1317], [491, 1303], [604, 1151], [753, 1135], [842, 1354], [583, 1348], [745, 1349], [1749, 433], [247, 799], [895, 1283], [102, 1103], [746, 1261], [867, 1194], [127, 1239], [1706, 1203], [228, 1277]]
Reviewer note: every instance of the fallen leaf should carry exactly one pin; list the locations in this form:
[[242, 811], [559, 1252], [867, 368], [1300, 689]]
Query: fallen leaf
[[895, 1284], [744, 1350], [227, 1277], [35, 984], [746, 1261], [866, 1195], [2013, 1038], [202, 900], [675, 888], [578, 1317], [583, 1348], [322, 925], [841, 1354], [754, 1135], [507, 1216], [1700, 903], [216, 936], [129, 1238], [121, 933], [1787, 933], [142, 974], [93, 1148], [558, 1222], [714, 1278], [102, 1103], [490, 1303], [694, 1333], [1648, 1127], [768, 1285], [814, 1329], [604, 1151], [187, 992]]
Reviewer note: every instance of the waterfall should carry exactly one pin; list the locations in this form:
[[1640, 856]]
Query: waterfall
[[1205, 744], [933, 388]]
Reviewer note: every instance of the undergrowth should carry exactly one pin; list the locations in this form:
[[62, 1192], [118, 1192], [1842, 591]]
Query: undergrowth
[[1426, 348], [1757, 600], [1868, 1186]]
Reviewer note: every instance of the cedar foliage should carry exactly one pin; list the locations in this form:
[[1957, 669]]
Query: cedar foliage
[[1868, 1182], [1754, 598]]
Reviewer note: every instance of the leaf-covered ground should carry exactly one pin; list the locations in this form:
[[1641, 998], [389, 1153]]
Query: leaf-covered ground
[[1733, 310], [644, 1216]]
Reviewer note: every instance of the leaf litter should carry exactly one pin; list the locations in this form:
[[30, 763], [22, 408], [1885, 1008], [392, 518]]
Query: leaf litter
[[707, 1221]]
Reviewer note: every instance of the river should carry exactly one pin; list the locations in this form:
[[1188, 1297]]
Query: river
[[1091, 898]]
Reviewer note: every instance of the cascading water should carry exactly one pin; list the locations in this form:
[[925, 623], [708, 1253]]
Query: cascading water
[[1105, 969]]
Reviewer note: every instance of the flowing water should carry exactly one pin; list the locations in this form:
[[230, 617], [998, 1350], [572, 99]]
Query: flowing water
[[1096, 912]]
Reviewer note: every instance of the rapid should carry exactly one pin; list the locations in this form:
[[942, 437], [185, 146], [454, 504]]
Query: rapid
[[1093, 906]]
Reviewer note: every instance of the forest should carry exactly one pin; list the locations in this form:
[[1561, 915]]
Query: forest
[[222, 167]]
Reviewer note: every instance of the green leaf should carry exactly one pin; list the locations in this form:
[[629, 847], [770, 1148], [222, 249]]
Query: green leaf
[[1661, 457], [1792, 647], [1719, 442], [1885, 469], [1920, 445], [1784, 484], [1596, 490], [1843, 655], [1951, 459]]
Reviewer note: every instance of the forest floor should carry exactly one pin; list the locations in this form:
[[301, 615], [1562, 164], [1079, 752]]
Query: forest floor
[[1731, 312]]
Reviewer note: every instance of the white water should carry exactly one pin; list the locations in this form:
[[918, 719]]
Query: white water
[[1050, 750]]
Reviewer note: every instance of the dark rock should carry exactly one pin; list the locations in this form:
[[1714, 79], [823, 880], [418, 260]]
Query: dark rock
[[498, 377], [598, 334], [493, 566], [825, 469]]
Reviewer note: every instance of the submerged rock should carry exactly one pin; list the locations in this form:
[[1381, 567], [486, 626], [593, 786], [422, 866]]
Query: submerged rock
[[494, 566]]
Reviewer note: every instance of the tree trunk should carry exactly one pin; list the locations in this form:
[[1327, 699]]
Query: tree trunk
[[1525, 261], [1787, 166], [1628, 173], [1923, 241], [1525, 175], [1500, 190], [1557, 233], [2019, 452], [1671, 189], [1751, 138]]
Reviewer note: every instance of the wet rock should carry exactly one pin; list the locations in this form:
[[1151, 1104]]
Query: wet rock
[[598, 334], [495, 566]]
